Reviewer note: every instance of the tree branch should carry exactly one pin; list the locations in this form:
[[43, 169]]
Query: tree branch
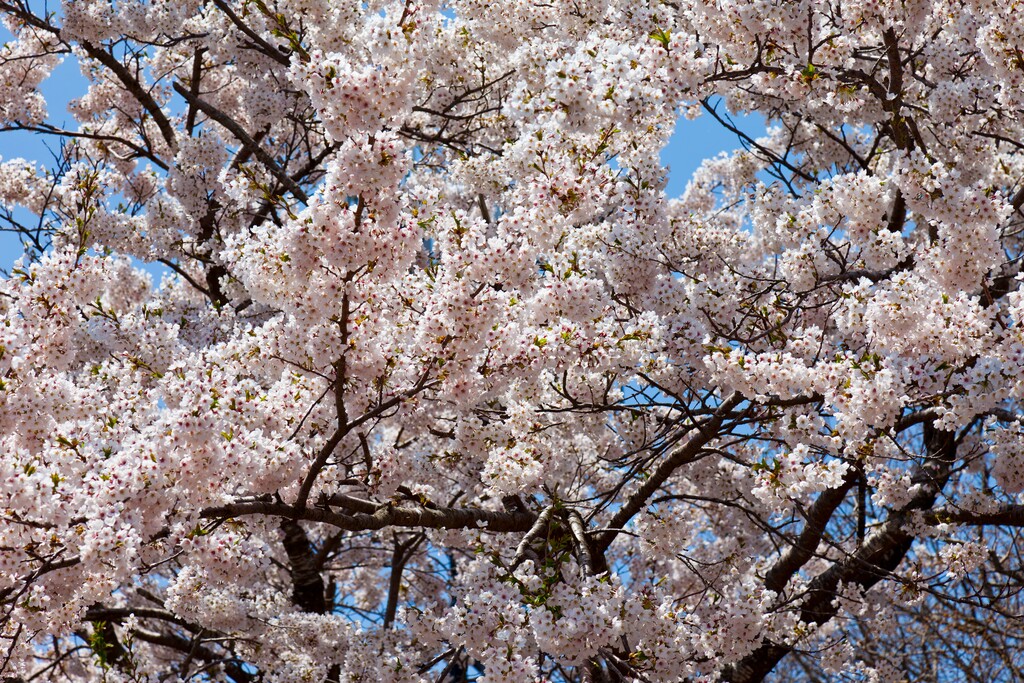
[[875, 559], [251, 145], [386, 515], [815, 522], [133, 86], [706, 432]]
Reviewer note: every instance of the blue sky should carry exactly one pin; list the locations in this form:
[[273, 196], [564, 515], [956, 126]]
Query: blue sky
[[699, 139], [692, 142]]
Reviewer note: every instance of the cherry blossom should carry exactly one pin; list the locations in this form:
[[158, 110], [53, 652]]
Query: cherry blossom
[[360, 341]]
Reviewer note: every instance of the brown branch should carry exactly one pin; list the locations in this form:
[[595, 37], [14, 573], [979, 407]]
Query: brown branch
[[174, 642], [119, 614], [197, 73], [386, 515], [1018, 200], [265, 47], [307, 583], [816, 519], [26, 580], [579, 534], [247, 141], [1006, 514], [537, 529], [747, 140], [49, 129], [132, 85], [188, 278], [403, 552], [688, 452], [873, 560], [343, 429]]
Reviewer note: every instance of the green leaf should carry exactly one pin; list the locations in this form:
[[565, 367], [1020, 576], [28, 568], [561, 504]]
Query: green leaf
[[663, 37]]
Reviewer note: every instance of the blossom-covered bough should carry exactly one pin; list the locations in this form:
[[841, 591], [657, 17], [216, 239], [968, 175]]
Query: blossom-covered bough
[[439, 385]]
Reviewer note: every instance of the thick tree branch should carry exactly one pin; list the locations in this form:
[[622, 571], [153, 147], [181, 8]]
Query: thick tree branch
[[1006, 514], [815, 522], [386, 515], [307, 583], [231, 667], [876, 558]]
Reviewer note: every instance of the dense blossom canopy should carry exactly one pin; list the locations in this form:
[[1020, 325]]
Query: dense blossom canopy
[[439, 385]]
